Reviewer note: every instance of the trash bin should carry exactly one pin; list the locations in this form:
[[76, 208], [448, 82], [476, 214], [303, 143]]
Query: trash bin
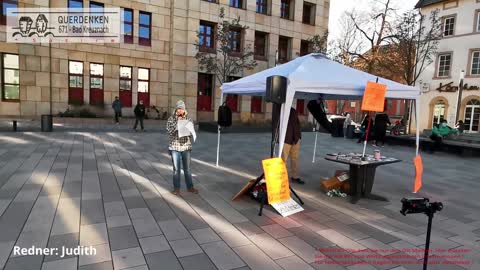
[[337, 127], [47, 123], [350, 131]]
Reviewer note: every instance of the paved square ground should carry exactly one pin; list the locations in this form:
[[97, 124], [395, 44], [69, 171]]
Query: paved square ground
[[111, 191]]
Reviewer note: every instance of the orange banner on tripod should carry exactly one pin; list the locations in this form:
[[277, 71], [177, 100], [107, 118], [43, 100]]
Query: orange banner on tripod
[[276, 176], [374, 97]]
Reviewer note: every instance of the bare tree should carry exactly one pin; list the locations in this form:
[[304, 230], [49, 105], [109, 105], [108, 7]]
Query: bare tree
[[373, 30], [319, 43], [346, 42], [415, 43], [224, 60]]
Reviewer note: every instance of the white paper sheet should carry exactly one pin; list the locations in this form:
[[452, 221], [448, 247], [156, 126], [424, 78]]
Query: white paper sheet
[[186, 128], [191, 129]]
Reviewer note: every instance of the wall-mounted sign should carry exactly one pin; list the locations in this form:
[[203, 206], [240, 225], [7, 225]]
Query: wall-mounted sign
[[449, 87]]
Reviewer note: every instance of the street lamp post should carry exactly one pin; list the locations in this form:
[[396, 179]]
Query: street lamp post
[[459, 97]]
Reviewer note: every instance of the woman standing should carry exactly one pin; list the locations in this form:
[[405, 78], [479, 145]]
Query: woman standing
[[180, 149]]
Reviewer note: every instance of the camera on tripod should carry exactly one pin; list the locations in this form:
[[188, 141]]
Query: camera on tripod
[[419, 205]]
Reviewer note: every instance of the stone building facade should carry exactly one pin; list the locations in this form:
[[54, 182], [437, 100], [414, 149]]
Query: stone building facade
[[155, 61], [458, 56]]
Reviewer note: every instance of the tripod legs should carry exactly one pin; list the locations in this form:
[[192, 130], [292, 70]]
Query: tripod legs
[[294, 193], [262, 203], [427, 243]]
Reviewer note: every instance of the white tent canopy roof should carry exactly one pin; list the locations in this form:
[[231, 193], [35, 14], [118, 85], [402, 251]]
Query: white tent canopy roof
[[315, 74]]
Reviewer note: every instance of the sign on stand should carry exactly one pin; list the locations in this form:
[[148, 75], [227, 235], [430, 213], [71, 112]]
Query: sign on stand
[[287, 208], [374, 97], [278, 189]]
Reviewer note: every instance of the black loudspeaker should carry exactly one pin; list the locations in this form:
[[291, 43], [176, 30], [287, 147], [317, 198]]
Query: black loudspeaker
[[276, 89], [224, 116]]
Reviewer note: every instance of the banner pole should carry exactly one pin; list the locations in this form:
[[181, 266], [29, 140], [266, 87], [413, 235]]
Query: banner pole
[[366, 135]]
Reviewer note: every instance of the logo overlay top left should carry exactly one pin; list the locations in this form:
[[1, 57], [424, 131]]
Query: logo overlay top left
[[64, 25]]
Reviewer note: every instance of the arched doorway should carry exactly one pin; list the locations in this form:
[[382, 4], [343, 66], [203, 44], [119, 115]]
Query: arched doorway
[[438, 110], [472, 116]]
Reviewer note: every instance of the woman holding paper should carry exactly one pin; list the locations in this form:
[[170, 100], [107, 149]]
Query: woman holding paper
[[181, 133]]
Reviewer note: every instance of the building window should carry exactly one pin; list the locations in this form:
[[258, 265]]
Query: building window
[[262, 6], [10, 78], [75, 9], [206, 38], [127, 22], [283, 49], [232, 99], [143, 88], [126, 86], [237, 3], [472, 116], [96, 84], [308, 16], [475, 63], [96, 5], [7, 4], [205, 92], [260, 50], [478, 21], [235, 40], [287, 9], [444, 65], [309, 13], [75, 85], [449, 26], [75, 4], [145, 29], [438, 113], [256, 104], [305, 47]]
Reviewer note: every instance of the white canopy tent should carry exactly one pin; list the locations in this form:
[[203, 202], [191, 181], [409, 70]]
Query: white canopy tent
[[312, 76]]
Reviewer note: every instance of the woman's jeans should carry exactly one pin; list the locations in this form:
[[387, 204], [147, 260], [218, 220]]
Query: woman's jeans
[[183, 158]]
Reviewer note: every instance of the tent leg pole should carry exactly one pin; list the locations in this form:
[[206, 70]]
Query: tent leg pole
[[218, 134], [218, 145], [315, 147]]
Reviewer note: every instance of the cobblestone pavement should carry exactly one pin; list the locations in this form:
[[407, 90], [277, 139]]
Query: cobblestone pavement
[[111, 191]]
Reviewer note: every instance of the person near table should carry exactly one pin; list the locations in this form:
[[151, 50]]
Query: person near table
[[460, 126], [380, 128], [291, 148], [364, 127], [139, 112], [180, 149], [348, 122], [440, 132], [117, 109]]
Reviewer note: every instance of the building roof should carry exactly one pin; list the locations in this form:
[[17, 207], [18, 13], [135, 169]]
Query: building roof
[[424, 3]]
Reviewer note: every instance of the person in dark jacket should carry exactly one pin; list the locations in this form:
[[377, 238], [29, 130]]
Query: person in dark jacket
[[139, 115], [117, 109], [291, 148], [380, 128]]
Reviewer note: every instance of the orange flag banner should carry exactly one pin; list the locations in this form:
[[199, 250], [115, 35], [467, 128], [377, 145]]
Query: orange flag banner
[[374, 97], [418, 173]]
